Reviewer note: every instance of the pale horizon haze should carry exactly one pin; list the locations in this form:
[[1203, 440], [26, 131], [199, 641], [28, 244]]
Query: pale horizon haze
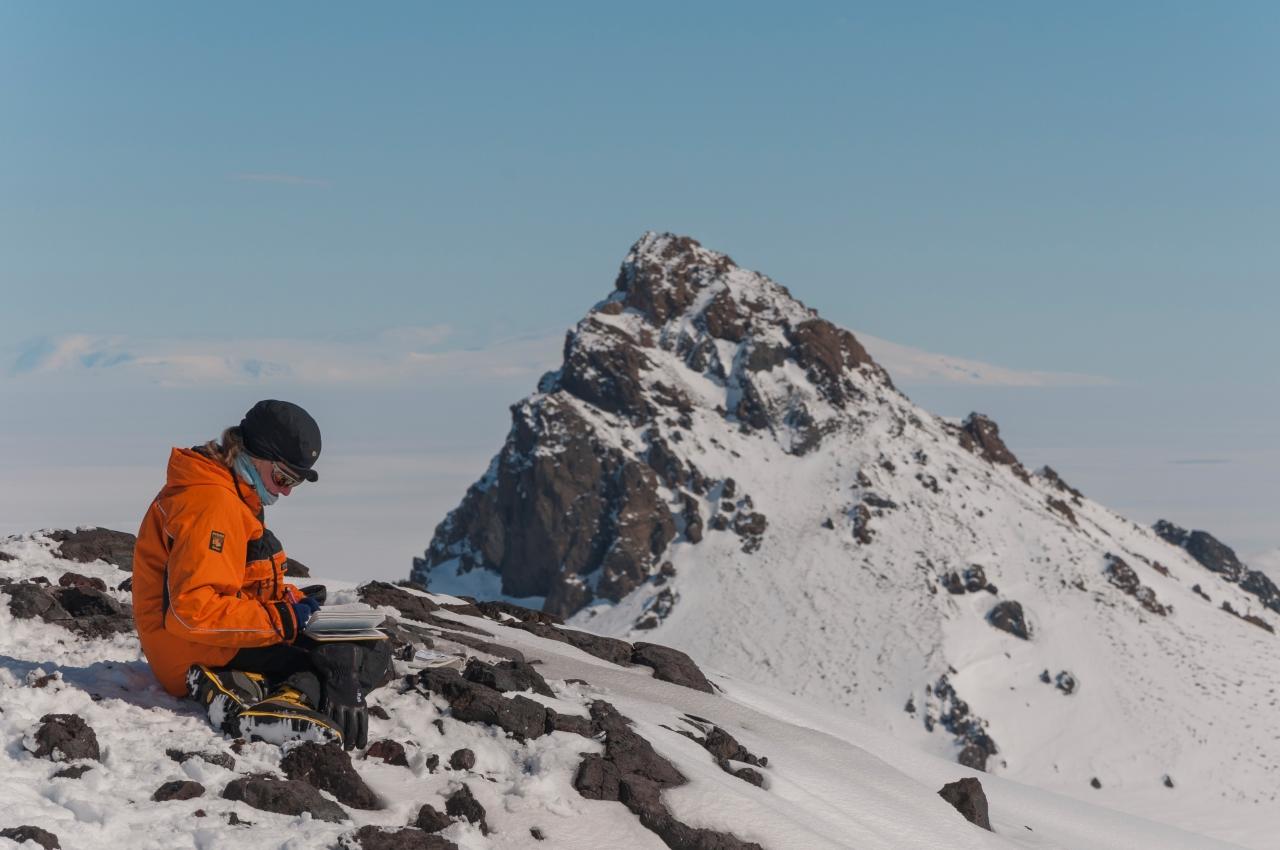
[[1064, 217]]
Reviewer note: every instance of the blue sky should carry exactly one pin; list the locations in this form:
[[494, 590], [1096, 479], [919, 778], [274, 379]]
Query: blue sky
[[1083, 188], [991, 180]]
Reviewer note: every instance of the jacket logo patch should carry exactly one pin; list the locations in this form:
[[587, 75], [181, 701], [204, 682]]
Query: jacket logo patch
[[215, 540]]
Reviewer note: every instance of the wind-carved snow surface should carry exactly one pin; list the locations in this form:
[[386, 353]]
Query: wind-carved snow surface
[[1158, 702], [830, 782]]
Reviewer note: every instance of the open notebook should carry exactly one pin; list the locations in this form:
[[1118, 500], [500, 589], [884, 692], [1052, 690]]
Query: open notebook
[[345, 622]]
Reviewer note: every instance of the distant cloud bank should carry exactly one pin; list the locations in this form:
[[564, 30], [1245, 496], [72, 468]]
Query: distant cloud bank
[[411, 355], [399, 355], [908, 365]]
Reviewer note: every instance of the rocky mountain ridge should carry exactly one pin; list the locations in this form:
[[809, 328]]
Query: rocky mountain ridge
[[545, 737]]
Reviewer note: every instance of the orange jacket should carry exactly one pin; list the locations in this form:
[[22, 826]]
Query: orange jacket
[[208, 577]]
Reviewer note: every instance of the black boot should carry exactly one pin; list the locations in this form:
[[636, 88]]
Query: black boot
[[290, 713], [224, 693]]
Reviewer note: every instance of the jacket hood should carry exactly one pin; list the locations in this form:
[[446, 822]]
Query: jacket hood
[[190, 468]]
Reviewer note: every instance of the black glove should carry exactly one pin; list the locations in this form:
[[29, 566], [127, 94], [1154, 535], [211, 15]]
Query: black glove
[[343, 697], [318, 592]]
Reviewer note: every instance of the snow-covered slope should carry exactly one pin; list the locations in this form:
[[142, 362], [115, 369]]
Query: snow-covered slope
[[718, 469], [829, 782]]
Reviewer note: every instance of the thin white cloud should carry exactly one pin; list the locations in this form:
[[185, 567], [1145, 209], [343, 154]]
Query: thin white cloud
[[412, 355], [907, 365], [283, 179], [399, 355]]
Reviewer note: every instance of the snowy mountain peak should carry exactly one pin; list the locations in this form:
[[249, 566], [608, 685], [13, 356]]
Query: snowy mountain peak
[[717, 467]]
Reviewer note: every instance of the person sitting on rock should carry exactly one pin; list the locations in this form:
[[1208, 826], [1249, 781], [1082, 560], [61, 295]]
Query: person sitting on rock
[[216, 619]]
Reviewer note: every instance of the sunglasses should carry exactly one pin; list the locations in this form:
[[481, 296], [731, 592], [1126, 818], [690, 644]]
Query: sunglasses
[[282, 476]]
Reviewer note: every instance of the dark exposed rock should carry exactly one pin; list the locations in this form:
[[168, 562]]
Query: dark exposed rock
[[74, 772], [671, 665], [1167, 780], [404, 838], [659, 608], [28, 601], [461, 804], [328, 768], [1248, 618], [722, 318], [973, 756], [66, 737], [430, 819], [1095, 783], [1048, 474], [665, 463], [1216, 556], [826, 351], [84, 610], [952, 582], [750, 527], [69, 579], [692, 516], [87, 545], [410, 605], [861, 524], [1008, 617], [951, 712], [463, 759], [283, 796], [724, 749], [969, 800], [631, 772], [609, 649], [544, 519], [296, 569], [574, 723], [537, 834], [475, 703], [1065, 682], [746, 774], [485, 646], [879, 502], [662, 274], [507, 676], [391, 752], [94, 614], [975, 579], [22, 834], [219, 759], [433, 760], [762, 356], [1122, 576], [602, 365], [983, 439], [178, 790], [495, 609], [1062, 509], [379, 712]]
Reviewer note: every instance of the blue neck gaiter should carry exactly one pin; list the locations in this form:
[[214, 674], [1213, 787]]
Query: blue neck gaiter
[[249, 473]]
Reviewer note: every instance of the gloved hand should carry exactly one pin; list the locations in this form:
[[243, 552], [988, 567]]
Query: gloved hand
[[318, 592], [343, 700], [303, 609]]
